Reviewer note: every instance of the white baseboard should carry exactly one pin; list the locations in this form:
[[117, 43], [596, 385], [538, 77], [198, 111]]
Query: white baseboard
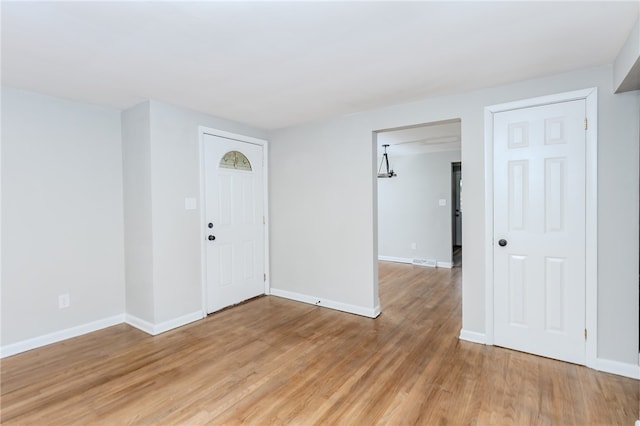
[[155, 329], [57, 336], [332, 304], [604, 365], [619, 368], [178, 322], [376, 311], [439, 264], [395, 259], [473, 336], [139, 323]]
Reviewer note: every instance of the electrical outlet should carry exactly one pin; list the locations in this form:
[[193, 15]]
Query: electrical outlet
[[64, 301], [414, 246]]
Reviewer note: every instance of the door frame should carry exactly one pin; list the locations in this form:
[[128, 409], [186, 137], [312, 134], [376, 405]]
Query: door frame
[[202, 131], [455, 190], [591, 214]]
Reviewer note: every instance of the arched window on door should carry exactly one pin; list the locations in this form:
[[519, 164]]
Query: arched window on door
[[235, 160]]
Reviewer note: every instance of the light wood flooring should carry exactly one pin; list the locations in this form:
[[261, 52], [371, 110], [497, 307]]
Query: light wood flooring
[[274, 361]]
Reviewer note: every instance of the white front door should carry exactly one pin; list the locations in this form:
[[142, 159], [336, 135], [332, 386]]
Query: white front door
[[234, 215], [539, 230]]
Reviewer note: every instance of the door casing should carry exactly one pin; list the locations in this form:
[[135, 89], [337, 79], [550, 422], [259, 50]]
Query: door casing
[[202, 131], [591, 214], [456, 203]]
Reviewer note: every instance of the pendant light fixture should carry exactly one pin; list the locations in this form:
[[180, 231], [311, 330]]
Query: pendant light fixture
[[385, 161]]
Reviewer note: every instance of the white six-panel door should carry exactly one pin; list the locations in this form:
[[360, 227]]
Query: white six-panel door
[[539, 230], [234, 215]]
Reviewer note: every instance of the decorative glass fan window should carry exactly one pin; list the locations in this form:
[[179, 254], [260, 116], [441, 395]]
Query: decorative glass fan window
[[235, 160]]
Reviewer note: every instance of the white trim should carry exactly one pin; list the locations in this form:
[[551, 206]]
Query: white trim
[[177, 322], [376, 311], [203, 221], [439, 264], [139, 323], [332, 304], [228, 135], [543, 100], [395, 259], [591, 211], [488, 224], [155, 329], [265, 177], [472, 336], [591, 224], [202, 130], [57, 336], [619, 368]]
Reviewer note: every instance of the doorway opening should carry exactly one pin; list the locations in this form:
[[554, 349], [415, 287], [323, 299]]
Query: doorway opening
[[456, 213], [414, 206]]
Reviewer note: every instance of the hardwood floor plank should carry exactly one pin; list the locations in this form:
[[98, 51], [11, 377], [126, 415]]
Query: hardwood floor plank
[[273, 361]]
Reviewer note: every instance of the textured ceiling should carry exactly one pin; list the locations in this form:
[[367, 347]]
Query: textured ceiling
[[277, 64]]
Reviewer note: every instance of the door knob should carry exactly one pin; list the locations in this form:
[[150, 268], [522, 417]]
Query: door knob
[[210, 225], [212, 237], [502, 242]]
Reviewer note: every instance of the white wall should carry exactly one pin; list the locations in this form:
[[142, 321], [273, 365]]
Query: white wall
[[618, 226], [321, 209], [323, 191], [162, 168], [65, 216], [626, 67], [62, 226], [62, 208], [138, 235], [409, 210], [175, 174]]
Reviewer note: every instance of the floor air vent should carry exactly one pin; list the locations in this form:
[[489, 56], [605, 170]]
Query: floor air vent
[[424, 262]]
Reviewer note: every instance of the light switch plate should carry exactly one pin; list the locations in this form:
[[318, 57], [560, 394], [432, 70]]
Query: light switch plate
[[64, 301], [190, 204], [442, 202]]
